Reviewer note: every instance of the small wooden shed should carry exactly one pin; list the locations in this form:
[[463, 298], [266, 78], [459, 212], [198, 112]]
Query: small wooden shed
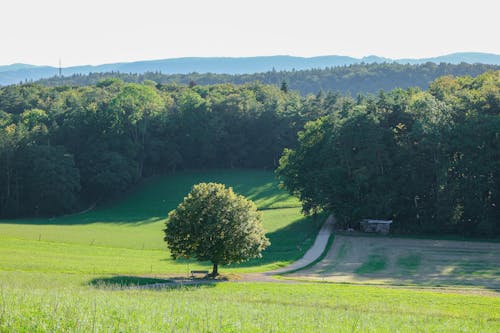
[[378, 226]]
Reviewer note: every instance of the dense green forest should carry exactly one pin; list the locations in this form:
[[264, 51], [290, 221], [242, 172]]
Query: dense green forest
[[429, 160], [64, 148], [353, 79]]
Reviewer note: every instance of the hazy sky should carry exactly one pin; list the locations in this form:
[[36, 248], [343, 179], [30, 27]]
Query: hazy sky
[[102, 31]]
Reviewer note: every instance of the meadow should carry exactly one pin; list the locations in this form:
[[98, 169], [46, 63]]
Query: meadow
[[80, 273], [126, 237], [69, 303]]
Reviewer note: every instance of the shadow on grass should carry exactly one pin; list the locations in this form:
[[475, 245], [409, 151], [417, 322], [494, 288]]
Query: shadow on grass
[[289, 243], [150, 201], [87, 218], [138, 282]]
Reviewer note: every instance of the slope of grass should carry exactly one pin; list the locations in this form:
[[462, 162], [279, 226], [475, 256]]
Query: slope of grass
[[137, 220], [126, 237], [291, 235]]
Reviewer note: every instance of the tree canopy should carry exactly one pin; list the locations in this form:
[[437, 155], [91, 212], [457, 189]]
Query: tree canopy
[[424, 158], [427, 160], [215, 224], [109, 136]]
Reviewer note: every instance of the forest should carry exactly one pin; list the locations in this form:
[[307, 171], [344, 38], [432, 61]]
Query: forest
[[63, 148], [352, 79], [426, 158]]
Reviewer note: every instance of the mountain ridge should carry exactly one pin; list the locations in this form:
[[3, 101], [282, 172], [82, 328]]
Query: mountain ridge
[[15, 73]]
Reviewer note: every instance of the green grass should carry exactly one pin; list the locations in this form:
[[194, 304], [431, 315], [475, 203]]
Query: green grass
[[477, 267], [79, 274], [290, 234], [126, 237], [137, 220], [409, 262], [73, 303], [375, 263], [342, 252]]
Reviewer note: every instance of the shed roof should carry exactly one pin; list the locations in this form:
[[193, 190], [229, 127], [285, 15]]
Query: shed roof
[[377, 221]]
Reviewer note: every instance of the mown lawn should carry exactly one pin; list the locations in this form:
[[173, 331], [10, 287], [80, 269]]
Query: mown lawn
[[406, 261]]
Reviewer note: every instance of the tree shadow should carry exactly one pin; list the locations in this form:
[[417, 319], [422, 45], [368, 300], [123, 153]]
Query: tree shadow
[[125, 281], [267, 196], [87, 218], [289, 243], [145, 203], [121, 282]]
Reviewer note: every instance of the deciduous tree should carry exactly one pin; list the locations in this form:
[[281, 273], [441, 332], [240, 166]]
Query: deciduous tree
[[213, 223]]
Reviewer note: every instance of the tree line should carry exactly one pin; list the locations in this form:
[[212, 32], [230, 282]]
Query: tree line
[[428, 160], [352, 79], [64, 148]]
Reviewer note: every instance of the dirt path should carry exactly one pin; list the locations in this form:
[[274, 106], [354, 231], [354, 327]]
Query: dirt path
[[313, 253], [309, 257]]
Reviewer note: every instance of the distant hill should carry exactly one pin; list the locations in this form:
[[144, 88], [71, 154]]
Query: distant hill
[[16, 73], [457, 58], [15, 67]]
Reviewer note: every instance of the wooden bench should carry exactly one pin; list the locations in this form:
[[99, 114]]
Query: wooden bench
[[193, 273]]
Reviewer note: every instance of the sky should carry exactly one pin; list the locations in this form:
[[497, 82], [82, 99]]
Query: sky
[[81, 32]]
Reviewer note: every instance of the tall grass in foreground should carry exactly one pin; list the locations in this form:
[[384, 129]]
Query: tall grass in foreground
[[241, 307]]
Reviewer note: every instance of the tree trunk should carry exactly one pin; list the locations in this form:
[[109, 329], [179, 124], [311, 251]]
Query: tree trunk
[[215, 270]]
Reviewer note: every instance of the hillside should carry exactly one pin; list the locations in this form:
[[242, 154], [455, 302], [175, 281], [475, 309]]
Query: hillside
[[226, 65], [73, 283], [133, 227]]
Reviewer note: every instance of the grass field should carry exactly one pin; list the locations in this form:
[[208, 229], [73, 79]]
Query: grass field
[[78, 274], [67, 303], [404, 261], [127, 237]]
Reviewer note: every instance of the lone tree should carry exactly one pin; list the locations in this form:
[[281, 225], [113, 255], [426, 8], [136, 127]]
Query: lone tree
[[215, 224]]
